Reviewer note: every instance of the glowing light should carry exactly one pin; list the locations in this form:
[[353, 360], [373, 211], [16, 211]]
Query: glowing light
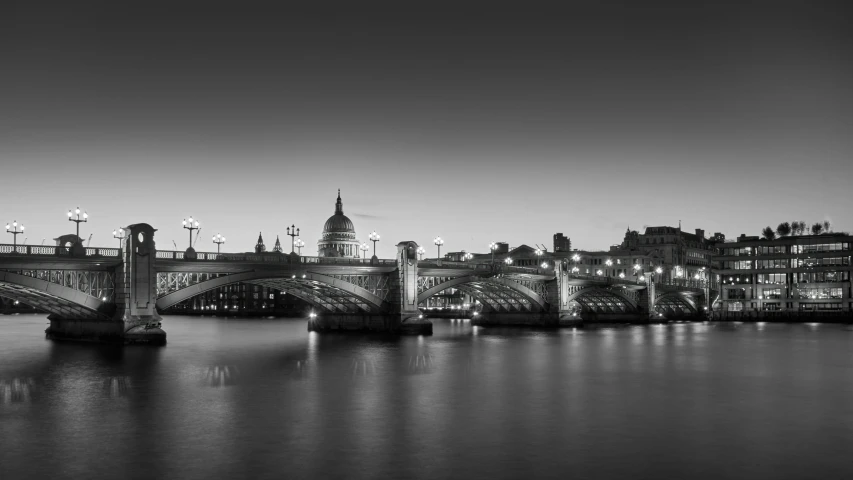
[[608, 262], [621, 275], [508, 261], [576, 257]]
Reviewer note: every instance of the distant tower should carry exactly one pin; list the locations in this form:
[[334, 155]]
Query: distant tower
[[277, 247], [260, 247], [562, 243]]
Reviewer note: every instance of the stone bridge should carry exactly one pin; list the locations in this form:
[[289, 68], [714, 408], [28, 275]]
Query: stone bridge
[[111, 294]]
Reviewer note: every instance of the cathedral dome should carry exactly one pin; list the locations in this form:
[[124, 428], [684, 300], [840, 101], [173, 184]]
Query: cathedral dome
[[338, 223], [338, 238]]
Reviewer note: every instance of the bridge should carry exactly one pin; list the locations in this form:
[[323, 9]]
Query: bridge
[[117, 294]]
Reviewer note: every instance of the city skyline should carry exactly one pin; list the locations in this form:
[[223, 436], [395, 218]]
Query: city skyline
[[498, 125]]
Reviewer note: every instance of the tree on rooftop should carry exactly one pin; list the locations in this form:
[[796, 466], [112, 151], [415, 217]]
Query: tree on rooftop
[[784, 229], [768, 233], [817, 228]]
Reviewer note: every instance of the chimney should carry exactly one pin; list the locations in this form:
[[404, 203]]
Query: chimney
[[700, 233]]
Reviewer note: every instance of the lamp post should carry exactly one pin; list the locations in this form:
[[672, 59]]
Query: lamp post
[[438, 243], [421, 253], [78, 221], [190, 225], [120, 235], [299, 245], [539, 253], [467, 256], [218, 240], [364, 248], [508, 261], [493, 246], [15, 232], [374, 237], [293, 232]]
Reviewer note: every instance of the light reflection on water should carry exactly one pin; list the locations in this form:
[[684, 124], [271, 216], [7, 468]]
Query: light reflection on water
[[264, 398]]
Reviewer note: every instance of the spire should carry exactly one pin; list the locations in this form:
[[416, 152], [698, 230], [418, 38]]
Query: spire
[[260, 247], [277, 247], [339, 205]]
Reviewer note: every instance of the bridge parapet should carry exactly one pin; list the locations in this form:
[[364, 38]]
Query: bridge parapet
[[272, 258], [6, 249]]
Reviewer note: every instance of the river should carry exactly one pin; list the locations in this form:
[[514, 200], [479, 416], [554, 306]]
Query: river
[[264, 398]]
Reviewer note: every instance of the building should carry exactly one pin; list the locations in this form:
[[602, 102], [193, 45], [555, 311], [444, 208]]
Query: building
[[338, 237], [794, 274], [680, 254], [562, 243]]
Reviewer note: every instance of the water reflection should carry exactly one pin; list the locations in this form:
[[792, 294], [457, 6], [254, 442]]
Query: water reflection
[[467, 402], [117, 387], [221, 376], [17, 390]]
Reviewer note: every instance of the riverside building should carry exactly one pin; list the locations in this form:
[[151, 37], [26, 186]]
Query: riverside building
[[808, 274]]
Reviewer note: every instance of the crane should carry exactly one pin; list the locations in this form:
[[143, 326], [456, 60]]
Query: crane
[[25, 240], [42, 240], [89, 240], [175, 244], [197, 232]]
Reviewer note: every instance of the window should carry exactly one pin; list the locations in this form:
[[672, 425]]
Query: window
[[734, 306], [819, 293], [773, 278], [822, 277], [819, 307], [770, 307], [772, 293]]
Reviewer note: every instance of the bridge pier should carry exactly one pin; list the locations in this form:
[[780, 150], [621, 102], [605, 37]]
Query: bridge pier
[[135, 319], [403, 316]]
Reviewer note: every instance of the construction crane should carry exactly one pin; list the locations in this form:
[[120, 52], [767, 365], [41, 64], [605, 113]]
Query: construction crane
[[42, 240], [175, 244], [196, 236], [25, 240], [89, 240]]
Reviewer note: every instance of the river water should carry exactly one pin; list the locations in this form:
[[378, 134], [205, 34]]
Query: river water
[[264, 398]]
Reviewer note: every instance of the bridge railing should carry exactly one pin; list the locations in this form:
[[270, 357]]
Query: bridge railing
[[683, 282], [6, 249], [271, 258]]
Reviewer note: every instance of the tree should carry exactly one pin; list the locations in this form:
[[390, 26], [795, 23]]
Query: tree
[[827, 226], [799, 228], [784, 229], [817, 228], [768, 233]]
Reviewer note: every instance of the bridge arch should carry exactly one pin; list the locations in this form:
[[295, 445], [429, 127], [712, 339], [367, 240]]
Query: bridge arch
[[53, 298], [675, 304], [496, 292], [327, 293], [603, 300]]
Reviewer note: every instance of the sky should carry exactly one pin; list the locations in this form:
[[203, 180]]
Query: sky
[[476, 122]]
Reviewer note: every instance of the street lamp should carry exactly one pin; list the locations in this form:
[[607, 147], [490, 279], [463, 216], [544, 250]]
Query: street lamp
[[299, 245], [467, 256], [374, 237], [539, 252], [190, 225], [364, 248], [608, 262], [78, 221], [421, 253], [493, 246], [438, 243], [218, 240], [508, 261], [13, 229], [120, 235], [293, 232]]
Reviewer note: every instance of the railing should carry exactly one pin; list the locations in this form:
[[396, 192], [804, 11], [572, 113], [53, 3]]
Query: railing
[[271, 258], [487, 267], [56, 250]]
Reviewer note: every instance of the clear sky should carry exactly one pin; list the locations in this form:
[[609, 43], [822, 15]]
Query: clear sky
[[494, 122]]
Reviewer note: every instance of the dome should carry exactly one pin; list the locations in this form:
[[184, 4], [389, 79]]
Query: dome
[[338, 223]]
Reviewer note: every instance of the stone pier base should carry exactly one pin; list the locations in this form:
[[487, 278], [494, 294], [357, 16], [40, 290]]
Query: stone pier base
[[393, 323], [484, 319], [104, 331]]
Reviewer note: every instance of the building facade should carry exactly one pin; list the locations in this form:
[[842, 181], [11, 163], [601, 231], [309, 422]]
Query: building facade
[[792, 274], [338, 237]]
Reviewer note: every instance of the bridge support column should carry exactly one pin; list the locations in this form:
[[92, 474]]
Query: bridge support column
[[404, 294], [135, 319], [566, 316]]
